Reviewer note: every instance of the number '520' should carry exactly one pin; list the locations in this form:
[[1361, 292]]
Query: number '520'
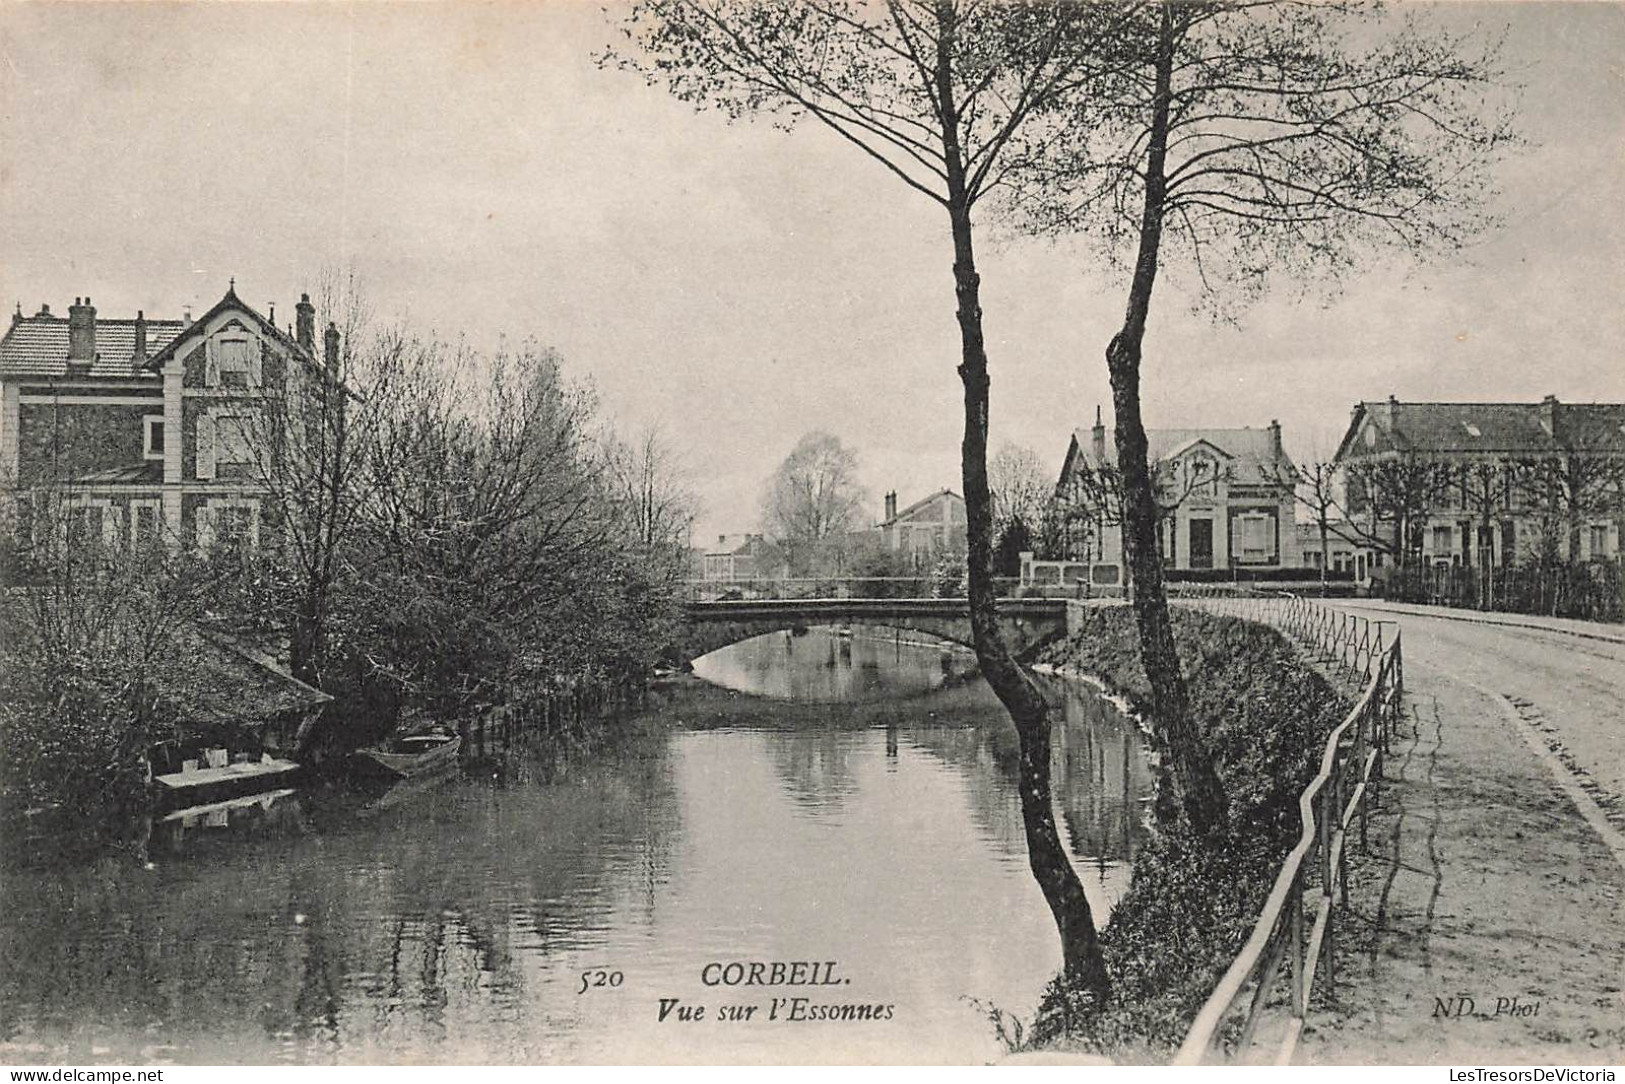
[[599, 977]]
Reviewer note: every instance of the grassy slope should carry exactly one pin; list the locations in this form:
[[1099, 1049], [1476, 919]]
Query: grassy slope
[[1192, 904]]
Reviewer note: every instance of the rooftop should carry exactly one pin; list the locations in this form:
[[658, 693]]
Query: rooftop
[[38, 345]]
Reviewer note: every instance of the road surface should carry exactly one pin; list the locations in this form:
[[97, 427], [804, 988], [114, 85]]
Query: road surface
[[1496, 870]]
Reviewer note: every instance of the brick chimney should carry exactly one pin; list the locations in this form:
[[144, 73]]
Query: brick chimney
[[305, 324], [1275, 439], [891, 506], [81, 331], [1098, 443], [140, 336], [1548, 415], [330, 349]]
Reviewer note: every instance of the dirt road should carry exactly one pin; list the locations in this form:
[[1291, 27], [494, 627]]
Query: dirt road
[[1488, 918]]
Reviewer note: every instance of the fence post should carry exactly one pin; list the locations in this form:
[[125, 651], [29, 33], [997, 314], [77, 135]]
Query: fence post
[[1300, 996]]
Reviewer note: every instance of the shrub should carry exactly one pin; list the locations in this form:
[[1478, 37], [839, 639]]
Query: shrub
[[1193, 899]]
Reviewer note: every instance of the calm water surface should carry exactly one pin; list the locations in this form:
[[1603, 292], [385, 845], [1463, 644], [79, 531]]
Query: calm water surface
[[872, 821]]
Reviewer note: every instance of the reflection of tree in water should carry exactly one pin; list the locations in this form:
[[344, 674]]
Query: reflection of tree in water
[[1101, 775], [1099, 767], [400, 931], [815, 767]]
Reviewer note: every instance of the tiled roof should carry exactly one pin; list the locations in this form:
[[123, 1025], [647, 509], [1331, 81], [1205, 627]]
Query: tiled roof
[[1500, 428], [1251, 451], [38, 346], [921, 503], [1592, 426], [1466, 427]]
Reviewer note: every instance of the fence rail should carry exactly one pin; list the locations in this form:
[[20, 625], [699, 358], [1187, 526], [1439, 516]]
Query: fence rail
[[787, 588], [1298, 923]]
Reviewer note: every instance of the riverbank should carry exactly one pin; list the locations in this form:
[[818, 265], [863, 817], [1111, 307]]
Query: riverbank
[[1192, 902]]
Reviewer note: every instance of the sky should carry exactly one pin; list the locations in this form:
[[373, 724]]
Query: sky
[[735, 284]]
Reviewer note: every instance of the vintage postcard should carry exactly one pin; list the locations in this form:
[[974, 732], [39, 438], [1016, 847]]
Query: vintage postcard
[[782, 532]]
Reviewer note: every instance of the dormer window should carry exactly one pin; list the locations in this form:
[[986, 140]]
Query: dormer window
[[1473, 430]]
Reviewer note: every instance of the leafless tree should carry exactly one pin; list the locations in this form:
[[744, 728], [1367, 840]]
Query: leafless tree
[[650, 491], [812, 502], [312, 434], [933, 92], [1250, 137]]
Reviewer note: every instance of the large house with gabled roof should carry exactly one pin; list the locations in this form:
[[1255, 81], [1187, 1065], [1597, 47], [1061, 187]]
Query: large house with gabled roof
[[1502, 480], [1226, 498], [138, 430]]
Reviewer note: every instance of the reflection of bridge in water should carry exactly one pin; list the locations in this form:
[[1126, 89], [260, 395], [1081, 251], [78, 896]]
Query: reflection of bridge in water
[[709, 625]]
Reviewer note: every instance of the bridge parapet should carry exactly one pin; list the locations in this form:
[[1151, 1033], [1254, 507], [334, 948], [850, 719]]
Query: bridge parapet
[[707, 626]]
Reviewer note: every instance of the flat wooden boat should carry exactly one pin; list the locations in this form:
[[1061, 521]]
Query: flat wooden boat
[[412, 754], [198, 786]]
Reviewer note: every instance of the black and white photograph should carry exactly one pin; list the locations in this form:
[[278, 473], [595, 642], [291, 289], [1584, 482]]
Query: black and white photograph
[[812, 532]]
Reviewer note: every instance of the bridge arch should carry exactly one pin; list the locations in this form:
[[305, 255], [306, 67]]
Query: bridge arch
[[708, 626]]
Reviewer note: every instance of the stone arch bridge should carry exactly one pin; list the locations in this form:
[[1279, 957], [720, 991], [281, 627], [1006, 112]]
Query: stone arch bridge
[[707, 626]]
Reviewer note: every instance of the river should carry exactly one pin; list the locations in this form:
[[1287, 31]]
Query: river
[[865, 834]]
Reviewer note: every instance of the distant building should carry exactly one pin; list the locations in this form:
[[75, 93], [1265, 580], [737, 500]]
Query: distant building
[[1345, 553], [139, 428], [1505, 481], [1226, 498], [926, 529], [737, 557]]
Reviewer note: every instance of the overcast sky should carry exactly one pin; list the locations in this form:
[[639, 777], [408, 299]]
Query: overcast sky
[[737, 284]]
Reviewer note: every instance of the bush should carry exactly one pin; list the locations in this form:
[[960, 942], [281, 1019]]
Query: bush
[[1193, 900]]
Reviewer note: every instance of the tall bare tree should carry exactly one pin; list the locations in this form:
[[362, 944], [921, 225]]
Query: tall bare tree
[[933, 91], [812, 501], [649, 489], [310, 436], [1252, 137], [1019, 486]]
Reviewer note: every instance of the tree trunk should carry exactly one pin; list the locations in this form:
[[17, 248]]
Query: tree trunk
[[1203, 795], [1084, 964], [1325, 553], [305, 641]]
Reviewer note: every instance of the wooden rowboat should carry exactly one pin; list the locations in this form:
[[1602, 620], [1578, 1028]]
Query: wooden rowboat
[[413, 754]]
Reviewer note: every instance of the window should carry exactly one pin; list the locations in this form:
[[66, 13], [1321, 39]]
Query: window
[[231, 439], [1252, 539], [234, 363], [152, 438], [1442, 539], [1599, 540]]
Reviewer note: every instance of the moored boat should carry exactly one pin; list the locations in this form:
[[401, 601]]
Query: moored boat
[[412, 754], [222, 779]]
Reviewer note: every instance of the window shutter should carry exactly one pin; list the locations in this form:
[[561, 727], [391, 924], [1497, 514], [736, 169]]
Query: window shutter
[[211, 365], [205, 447]]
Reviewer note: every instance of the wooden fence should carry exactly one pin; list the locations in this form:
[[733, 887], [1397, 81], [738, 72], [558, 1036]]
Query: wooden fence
[[502, 726], [1297, 927]]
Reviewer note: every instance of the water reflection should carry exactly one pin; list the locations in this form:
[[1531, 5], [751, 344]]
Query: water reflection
[[453, 922], [824, 664]]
